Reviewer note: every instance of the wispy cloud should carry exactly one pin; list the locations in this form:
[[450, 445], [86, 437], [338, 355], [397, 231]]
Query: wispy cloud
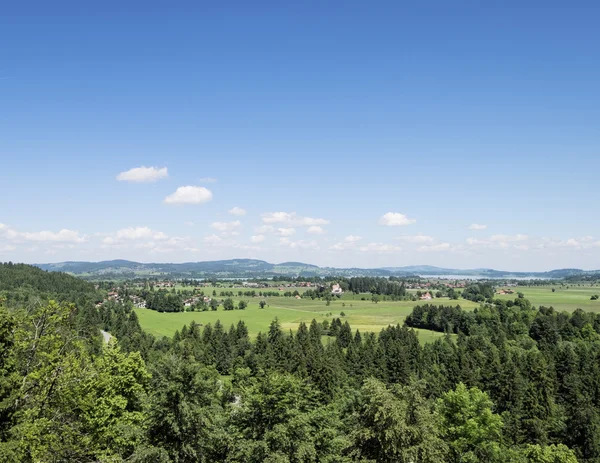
[[226, 226], [189, 195], [257, 238], [285, 231], [316, 230], [416, 239], [143, 174], [435, 247], [63, 236], [477, 226], [395, 219], [301, 244], [348, 243], [238, 211], [292, 218], [379, 248]]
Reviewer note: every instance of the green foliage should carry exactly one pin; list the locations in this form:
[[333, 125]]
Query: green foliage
[[549, 454], [479, 292], [228, 304], [468, 424], [517, 384], [396, 425]]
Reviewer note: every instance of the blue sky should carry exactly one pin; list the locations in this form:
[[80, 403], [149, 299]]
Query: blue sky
[[443, 115]]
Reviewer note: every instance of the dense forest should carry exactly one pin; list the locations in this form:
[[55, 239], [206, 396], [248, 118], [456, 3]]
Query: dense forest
[[508, 383]]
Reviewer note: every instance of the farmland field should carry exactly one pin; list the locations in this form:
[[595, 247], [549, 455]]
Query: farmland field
[[362, 315], [575, 297]]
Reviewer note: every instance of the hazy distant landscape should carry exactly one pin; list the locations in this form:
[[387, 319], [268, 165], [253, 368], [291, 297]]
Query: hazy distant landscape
[[250, 268]]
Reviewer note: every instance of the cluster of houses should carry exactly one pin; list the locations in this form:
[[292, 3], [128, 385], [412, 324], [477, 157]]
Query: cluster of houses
[[137, 301], [164, 284], [194, 300], [505, 291], [429, 285]]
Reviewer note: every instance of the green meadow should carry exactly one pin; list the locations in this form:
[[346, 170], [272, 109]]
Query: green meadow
[[362, 315], [567, 298]]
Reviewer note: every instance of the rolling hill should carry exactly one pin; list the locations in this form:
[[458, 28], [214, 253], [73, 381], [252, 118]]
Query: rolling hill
[[253, 268]]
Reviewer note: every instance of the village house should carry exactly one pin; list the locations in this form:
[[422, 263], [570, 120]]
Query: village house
[[336, 289], [505, 291], [138, 302], [426, 297]]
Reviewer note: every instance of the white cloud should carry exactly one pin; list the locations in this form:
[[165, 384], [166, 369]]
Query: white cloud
[[435, 247], [292, 218], [583, 242], [379, 247], [285, 231], [226, 226], [476, 242], [257, 238], [237, 211], [476, 226], [276, 217], [316, 230], [207, 180], [247, 247], [64, 235], [416, 239], [395, 219], [348, 243], [498, 241], [264, 229], [7, 248], [189, 195], [143, 174], [213, 239], [134, 233], [144, 238], [309, 221], [508, 238], [302, 244]]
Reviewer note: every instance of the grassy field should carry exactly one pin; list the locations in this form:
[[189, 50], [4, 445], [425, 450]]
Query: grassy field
[[575, 297], [362, 315]]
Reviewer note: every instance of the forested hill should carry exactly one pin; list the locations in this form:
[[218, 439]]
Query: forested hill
[[30, 279], [253, 268], [13, 276]]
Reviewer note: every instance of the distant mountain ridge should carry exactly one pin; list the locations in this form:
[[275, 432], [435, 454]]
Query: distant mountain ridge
[[253, 268]]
